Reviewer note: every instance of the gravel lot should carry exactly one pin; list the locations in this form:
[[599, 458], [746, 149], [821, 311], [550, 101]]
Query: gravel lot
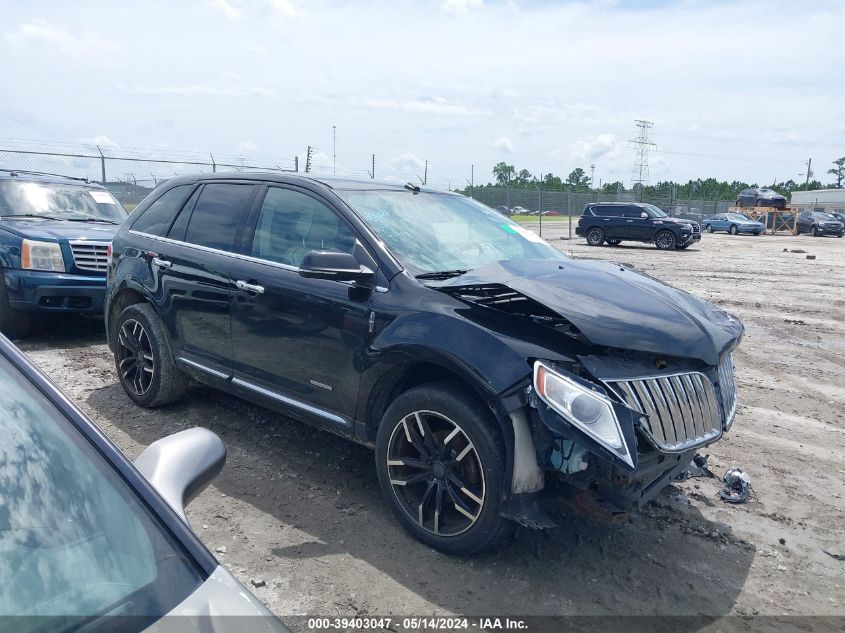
[[300, 510]]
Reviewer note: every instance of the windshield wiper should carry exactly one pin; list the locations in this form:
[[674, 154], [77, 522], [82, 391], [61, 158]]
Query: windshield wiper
[[28, 215], [91, 220], [442, 274]]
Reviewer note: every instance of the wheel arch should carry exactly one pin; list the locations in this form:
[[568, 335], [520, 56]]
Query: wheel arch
[[127, 293]]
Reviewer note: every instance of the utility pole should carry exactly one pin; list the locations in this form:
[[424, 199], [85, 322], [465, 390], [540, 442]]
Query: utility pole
[[809, 172], [425, 174], [472, 180], [334, 150], [373, 174], [592, 175], [308, 160], [296, 163], [213, 163], [642, 146]]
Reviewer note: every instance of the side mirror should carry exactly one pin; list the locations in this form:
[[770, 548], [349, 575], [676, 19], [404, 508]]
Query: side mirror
[[180, 466], [334, 266], [644, 215]]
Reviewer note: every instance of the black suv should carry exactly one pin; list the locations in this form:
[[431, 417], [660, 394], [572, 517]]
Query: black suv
[[477, 360], [818, 223], [613, 222]]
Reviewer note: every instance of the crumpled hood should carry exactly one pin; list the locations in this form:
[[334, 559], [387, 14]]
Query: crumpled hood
[[613, 306], [58, 230]]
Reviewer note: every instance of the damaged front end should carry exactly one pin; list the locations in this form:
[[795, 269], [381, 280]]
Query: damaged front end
[[623, 438]]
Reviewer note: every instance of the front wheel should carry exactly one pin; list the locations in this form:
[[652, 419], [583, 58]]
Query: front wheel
[[814, 231], [595, 236], [665, 240], [738, 202], [143, 359], [613, 242], [708, 228], [440, 462]]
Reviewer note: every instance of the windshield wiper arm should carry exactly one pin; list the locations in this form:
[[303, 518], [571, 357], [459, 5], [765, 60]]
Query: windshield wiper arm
[[442, 274]]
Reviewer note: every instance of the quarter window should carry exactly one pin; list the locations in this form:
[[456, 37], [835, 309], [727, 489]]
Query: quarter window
[[217, 215], [290, 224], [158, 215]]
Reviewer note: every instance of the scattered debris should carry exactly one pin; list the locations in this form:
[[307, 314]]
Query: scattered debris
[[794, 321], [811, 256], [258, 583], [697, 468], [221, 549], [797, 250], [838, 555], [737, 486], [782, 541]]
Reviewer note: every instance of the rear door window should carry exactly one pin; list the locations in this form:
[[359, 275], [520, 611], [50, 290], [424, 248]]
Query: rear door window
[[158, 215], [217, 217]]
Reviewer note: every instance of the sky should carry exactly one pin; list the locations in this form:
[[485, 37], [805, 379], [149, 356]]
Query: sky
[[736, 90]]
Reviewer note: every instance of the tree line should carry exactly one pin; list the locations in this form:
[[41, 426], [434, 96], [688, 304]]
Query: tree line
[[506, 175]]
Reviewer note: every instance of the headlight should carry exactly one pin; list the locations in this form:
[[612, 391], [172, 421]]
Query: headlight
[[590, 411], [42, 256]]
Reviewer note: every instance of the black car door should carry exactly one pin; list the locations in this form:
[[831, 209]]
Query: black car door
[[191, 268], [298, 342]]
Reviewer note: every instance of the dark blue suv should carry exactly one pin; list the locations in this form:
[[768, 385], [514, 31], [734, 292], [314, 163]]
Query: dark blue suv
[[55, 244]]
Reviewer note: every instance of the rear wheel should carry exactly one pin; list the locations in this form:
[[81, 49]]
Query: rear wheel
[[665, 240], [613, 242], [13, 323], [733, 230], [595, 236], [440, 463], [739, 202], [143, 359]]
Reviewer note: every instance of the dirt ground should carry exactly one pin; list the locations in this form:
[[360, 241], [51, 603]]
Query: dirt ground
[[299, 510]]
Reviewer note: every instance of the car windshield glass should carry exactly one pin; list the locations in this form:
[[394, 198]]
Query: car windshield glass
[[738, 217], [75, 539], [432, 232], [824, 216], [58, 201], [655, 212]]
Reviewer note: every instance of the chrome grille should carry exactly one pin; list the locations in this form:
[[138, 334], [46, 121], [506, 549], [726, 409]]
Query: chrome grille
[[90, 255], [727, 387], [682, 410], [696, 228]]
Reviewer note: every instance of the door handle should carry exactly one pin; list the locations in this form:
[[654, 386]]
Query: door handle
[[243, 285], [161, 263]]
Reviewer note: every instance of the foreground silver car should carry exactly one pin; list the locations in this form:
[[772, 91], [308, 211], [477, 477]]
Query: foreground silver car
[[89, 541]]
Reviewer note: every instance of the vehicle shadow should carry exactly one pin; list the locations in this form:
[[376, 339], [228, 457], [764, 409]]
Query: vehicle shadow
[[63, 330], [668, 560]]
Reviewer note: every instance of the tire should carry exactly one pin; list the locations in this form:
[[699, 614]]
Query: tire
[[613, 242], [143, 359], [733, 230], [708, 228], [462, 433], [814, 231], [595, 236], [665, 240], [13, 323]]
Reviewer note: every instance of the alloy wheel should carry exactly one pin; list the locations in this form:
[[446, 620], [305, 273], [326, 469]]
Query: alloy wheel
[[135, 357], [665, 241], [436, 473], [595, 237]]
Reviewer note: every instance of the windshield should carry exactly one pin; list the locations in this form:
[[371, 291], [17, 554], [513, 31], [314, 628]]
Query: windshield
[[655, 212], [432, 232], [824, 216], [738, 217], [58, 201], [75, 539]]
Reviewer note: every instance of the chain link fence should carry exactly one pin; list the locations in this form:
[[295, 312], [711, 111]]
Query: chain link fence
[[551, 203], [129, 176]]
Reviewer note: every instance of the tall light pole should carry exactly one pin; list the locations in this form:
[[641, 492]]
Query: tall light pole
[[334, 150]]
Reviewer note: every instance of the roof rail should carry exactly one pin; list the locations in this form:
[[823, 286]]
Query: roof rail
[[15, 172]]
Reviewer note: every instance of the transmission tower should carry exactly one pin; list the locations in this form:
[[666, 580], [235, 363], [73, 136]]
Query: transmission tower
[[642, 146]]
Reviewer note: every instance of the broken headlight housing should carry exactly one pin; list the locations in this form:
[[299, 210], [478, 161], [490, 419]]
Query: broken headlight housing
[[589, 411]]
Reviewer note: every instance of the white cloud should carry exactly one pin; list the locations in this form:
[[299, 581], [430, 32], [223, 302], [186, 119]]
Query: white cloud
[[42, 32], [504, 145], [286, 8], [460, 6], [221, 89], [407, 165], [595, 148], [247, 147], [226, 8], [427, 105], [102, 141]]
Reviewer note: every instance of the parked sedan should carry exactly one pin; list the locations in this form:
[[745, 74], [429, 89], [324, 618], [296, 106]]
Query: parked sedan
[[817, 224], [733, 223], [86, 537], [760, 197]]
